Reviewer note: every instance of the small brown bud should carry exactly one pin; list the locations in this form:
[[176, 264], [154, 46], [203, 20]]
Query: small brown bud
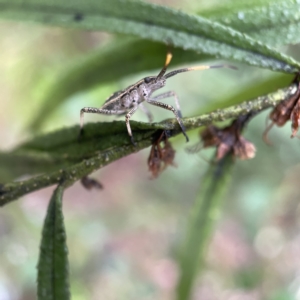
[[161, 157], [228, 139], [90, 183], [243, 149], [295, 118], [154, 162], [286, 110]]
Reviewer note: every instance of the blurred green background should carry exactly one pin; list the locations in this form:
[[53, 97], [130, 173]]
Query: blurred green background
[[122, 240]]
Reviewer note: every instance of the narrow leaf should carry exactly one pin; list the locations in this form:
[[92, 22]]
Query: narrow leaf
[[273, 22], [152, 22], [53, 266], [205, 213]]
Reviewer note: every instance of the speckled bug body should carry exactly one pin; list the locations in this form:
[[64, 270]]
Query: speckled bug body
[[128, 100]]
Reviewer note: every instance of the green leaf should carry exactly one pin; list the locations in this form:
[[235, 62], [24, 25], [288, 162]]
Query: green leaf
[[205, 212], [151, 22], [274, 22], [53, 266], [56, 151]]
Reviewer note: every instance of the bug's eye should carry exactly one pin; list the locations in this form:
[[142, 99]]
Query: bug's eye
[[147, 79]]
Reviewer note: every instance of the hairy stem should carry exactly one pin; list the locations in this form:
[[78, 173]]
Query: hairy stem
[[103, 145], [69, 175]]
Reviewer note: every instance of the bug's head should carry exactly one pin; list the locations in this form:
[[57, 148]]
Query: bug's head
[[154, 83]]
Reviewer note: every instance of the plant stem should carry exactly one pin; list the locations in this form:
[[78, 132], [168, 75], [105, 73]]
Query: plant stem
[[99, 149]]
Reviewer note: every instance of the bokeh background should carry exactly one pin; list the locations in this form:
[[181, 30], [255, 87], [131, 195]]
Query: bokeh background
[[123, 240]]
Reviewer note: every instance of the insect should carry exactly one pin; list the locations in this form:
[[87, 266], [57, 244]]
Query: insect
[[127, 101]]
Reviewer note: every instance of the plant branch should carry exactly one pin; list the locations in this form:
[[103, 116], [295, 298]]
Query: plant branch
[[151, 22], [69, 175], [102, 144], [256, 105]]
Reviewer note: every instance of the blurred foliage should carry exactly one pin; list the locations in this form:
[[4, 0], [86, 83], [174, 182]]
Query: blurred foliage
[[202, 219], [53, 265], [123, 241]]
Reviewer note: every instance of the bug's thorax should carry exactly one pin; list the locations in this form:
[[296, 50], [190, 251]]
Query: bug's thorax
[[150, 85], [141, 91]]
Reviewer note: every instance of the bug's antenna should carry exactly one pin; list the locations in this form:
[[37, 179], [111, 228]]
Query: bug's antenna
[[198, 68], [164, 69]]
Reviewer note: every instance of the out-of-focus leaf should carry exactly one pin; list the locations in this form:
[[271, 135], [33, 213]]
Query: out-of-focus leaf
[[151, 22], [203, 216], [63, 148], [274, 22], [53, 265], [254, 90]]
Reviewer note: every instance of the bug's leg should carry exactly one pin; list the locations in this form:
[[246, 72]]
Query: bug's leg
[[167, 95], [147, 112], [82, 111], [127, 118], [94, 110], [173, 110]]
